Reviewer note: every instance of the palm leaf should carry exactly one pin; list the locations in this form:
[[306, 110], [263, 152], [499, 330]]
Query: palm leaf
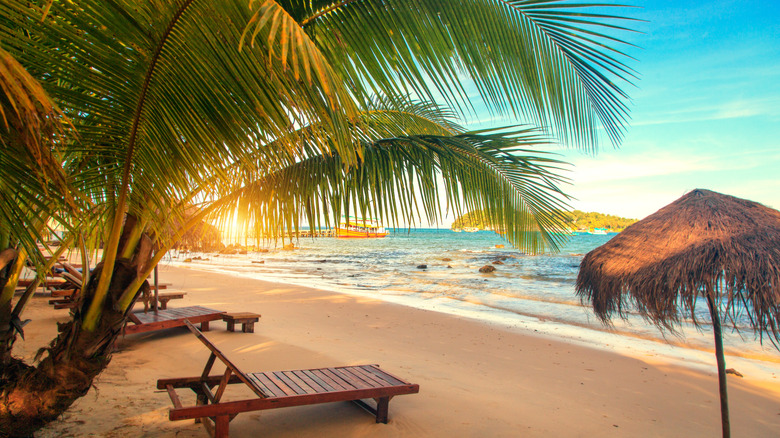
[[555, 62]]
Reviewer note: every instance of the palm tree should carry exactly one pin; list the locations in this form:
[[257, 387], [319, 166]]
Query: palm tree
[[284, 110]]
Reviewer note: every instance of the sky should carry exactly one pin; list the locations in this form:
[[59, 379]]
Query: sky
[[705, 110]]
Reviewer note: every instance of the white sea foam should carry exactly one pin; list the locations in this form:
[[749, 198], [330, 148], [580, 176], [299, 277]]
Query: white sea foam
[[526, 293]]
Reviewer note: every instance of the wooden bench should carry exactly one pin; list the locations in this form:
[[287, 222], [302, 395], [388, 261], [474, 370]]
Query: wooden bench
[[165, 297], [246, 319], [279, 389]]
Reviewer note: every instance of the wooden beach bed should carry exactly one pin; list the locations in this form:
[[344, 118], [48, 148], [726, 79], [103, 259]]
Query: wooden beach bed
[[139, 322], [279, 389], [67, 293]]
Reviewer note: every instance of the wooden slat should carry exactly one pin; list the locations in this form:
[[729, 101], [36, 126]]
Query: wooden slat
[[337, 385], [275, 390], [357, 383], [134, 319], [72, 271], [290, 384], [205, 388], [209, 365], [311, 383], [68, 305], [222, 385], [384, 374], [370, 377], [319, 381], [300, 382], [283, 386], [62, 292], [351, 371], [261, 385], [72, 279], [336, 379], [174, 397]]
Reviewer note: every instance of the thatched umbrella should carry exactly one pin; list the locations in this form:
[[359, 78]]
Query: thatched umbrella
[[704, 246]]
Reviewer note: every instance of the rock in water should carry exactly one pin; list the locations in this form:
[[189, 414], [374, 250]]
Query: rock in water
[[422, 266], [487, 269]]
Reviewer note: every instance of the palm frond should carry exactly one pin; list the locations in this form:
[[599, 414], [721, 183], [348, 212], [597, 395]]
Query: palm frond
[[404, 179], [553, 62], [33, 186]]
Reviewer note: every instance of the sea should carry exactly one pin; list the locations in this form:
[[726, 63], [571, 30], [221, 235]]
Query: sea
[[438, 270]]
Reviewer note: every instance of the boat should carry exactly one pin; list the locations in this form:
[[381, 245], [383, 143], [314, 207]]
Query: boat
[[601, 231], [353, 228]]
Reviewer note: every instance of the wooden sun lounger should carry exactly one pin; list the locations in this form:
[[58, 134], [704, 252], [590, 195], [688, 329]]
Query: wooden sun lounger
[[67, 293], [148, 321], [280, 389], [49, 282]]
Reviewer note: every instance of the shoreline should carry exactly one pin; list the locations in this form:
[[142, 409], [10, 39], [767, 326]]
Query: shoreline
[[476, 379], [658, 347]]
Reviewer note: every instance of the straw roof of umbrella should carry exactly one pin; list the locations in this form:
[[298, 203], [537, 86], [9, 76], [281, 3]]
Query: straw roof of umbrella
[[704, 241]]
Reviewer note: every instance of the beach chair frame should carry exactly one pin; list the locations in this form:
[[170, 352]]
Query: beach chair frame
[[279, 389]]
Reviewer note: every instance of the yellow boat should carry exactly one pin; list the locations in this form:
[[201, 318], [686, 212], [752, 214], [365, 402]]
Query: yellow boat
[[360, 229]]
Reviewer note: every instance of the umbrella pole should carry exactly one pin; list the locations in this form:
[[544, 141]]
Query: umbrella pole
[[724, 397]]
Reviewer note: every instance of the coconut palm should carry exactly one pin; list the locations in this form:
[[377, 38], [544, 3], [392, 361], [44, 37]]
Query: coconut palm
[[284, 110]]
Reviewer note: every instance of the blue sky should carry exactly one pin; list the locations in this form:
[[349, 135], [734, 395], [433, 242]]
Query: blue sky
[[705, 111]]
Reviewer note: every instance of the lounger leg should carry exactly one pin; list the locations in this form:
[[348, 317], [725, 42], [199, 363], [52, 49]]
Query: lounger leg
[[204, 326], [382, 405], [200, 400], [221, 426]]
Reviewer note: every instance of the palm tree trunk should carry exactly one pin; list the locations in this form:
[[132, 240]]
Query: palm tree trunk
[[724, 397], [7, 256], [7, 334], [31, 397]]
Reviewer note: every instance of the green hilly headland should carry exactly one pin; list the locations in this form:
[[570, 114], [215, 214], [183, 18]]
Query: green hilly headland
[[579, 221]]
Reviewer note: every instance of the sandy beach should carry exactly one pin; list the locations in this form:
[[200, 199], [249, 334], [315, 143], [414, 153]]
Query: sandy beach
[[476, 379]]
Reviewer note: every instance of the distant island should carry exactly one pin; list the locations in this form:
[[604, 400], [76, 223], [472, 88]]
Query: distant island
[[593, 221], [580, 221]]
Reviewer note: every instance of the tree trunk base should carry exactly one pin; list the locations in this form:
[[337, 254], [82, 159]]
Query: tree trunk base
[[31, 397]]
